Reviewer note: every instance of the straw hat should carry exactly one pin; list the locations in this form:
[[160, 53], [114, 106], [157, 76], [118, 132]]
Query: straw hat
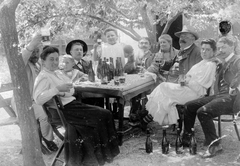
[[186, 30]]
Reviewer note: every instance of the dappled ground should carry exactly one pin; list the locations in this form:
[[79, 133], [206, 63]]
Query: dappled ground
[[132, 150]]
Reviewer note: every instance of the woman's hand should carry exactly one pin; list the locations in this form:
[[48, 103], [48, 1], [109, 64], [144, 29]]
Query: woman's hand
[[65, 87]]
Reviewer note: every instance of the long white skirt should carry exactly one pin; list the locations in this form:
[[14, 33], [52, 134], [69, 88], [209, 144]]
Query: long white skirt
[[163, 100]]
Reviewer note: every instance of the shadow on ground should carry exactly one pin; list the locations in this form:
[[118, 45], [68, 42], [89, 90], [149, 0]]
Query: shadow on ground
[[133, 152]]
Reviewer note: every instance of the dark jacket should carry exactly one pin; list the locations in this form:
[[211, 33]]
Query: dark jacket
[[231, 77], [85, 65], [188, 58]]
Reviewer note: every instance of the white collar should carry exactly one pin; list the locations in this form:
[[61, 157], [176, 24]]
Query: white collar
[[229, 57], [76, 62]]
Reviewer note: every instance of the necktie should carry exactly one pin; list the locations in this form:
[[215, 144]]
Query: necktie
[[220, 84], [79, 64]]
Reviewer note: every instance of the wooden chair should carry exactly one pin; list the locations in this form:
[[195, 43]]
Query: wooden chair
[[58, 107], [233, 118]]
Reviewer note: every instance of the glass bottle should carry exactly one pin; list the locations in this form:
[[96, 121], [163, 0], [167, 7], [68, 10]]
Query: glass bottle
[[148, 143], [91, 74], [178, 143], [111, 68], [99, 69], [193, 144], [165, 142], [108, 70], [120, 66], [104, 79]]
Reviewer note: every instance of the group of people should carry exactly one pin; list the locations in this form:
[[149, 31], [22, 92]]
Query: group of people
[[216, 74], [92, 135]]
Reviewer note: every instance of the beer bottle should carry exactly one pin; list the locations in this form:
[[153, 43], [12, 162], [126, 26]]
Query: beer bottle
[[99, 69], [91, 75], [120, 66], [108, 70], [178, 143], [165, 142], [117, 68], [104, 73], [193, 144], [111, 68], [148, 144]]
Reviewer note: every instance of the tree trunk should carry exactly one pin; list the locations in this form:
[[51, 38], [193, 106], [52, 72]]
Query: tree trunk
[[32, 155]]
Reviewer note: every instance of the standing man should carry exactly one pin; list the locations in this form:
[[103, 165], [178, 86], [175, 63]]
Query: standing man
[[78, 49], [30, 57], [225, 90], [189, 53]]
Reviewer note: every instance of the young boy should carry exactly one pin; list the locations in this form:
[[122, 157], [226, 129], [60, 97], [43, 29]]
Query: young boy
[[70, 72], [129, 67], [112, 48]]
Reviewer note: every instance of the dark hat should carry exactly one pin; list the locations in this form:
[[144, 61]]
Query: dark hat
[[69, 46], [186, 30]]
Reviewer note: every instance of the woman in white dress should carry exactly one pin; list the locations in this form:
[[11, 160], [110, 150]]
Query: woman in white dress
[[164, 98]]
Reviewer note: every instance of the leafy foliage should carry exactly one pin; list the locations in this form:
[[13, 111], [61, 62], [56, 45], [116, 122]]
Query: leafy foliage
[[75, 17]]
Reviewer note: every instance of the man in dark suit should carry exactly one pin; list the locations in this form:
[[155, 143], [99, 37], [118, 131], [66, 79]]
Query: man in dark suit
[[78, 49], [207, 108]]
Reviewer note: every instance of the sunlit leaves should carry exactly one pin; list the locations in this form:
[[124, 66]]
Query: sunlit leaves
[[70, 15]]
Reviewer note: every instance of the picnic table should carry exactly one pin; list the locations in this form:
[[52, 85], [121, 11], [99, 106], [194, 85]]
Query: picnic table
[[134, 85]]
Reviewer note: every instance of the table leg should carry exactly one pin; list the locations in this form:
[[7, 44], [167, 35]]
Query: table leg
[[107, 103], [120, 122]]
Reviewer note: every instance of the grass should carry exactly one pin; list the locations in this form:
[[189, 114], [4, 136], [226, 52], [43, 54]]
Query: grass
[[4, 71]]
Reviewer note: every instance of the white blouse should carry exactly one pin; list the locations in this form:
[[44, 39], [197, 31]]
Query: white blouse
[[113, 51], [45, 87]]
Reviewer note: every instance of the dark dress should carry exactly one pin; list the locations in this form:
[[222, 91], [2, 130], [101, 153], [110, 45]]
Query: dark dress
[[92, 138]]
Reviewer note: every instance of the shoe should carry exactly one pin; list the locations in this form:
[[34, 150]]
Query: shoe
[[212, 151], [135, 124], [51, 145], [186, 139]]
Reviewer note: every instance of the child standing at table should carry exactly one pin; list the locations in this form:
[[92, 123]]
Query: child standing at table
[[70, 72]]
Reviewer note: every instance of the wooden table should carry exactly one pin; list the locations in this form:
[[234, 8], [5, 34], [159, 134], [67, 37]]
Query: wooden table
[[133, 86]]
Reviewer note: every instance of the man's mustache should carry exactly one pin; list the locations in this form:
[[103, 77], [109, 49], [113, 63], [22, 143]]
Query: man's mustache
[[182, 41]]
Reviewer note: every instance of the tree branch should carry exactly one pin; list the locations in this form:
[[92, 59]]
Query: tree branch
[[121, 28], [46, 18], [118, 11], [146, 21]]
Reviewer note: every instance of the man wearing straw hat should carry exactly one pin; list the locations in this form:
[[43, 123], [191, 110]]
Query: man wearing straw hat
[[189, 53]]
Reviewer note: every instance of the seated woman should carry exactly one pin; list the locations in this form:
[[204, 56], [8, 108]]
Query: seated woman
[[162, 101], [92, 134], [165, 58], [160, 64]]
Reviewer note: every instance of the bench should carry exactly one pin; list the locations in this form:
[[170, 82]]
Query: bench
[[5, 103]]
